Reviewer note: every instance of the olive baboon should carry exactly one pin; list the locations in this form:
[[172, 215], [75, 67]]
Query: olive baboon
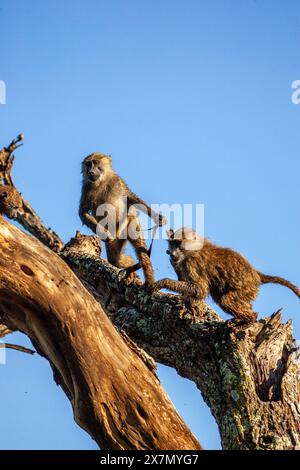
[[205, 269], [102, 187]]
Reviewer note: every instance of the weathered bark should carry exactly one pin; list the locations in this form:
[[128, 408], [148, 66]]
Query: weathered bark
[[116, 397], [249, 377]]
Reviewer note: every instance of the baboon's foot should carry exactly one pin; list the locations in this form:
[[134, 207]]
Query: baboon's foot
[[240, 323], [127, 276]]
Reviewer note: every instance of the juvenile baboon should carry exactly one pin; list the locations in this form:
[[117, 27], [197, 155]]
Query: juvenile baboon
[[103, 188], [205, 269]]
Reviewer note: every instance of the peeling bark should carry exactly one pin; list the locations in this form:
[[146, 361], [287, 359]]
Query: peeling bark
[[115, 397]]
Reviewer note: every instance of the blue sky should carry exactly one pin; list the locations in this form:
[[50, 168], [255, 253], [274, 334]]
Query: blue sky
[[193, 101]]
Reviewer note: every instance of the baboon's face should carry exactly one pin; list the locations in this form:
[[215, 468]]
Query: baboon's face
[[175, 251], [96, 168], [181, 243]]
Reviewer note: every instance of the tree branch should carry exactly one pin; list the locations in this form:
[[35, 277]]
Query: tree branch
[[17, 208], [115, 397], [4, 331], [17, 347]]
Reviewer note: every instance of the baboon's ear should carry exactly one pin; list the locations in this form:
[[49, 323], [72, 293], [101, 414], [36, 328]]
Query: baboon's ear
[[170, 234], [109, 158]]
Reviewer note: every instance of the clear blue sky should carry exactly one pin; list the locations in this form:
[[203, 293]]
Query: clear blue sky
[[193, 101]]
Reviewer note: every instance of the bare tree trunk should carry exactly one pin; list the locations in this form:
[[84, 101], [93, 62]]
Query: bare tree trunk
[[248, 377], [115, 394]]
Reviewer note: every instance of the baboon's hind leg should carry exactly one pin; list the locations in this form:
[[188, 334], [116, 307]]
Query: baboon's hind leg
[[240, 308], [116, 257], [141, 250], [114, 252]]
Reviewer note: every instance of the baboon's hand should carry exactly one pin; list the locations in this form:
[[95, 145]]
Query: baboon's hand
[[108, 239], [127, 277], [161, 220], [104, 235], [122, 274]]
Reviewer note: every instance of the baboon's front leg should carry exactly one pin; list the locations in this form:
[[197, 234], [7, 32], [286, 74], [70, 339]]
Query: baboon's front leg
[[91, 222], [159, 219], [188, 289]]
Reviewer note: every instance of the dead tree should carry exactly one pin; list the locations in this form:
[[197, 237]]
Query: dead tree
[[67, 303]]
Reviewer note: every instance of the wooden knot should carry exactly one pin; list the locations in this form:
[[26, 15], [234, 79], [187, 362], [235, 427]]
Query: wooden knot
[[10, 199], [84, 244]]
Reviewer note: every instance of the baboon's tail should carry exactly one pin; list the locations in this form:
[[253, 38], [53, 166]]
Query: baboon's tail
[[279, 280]]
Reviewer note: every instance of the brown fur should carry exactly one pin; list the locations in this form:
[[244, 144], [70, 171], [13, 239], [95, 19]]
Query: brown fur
[[109, 188], [220, 272]]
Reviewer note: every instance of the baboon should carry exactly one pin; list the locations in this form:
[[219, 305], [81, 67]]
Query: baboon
[[205, 269], [102, 187]]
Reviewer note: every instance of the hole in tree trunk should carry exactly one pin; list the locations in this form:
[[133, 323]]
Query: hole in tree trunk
[[28, 271]]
